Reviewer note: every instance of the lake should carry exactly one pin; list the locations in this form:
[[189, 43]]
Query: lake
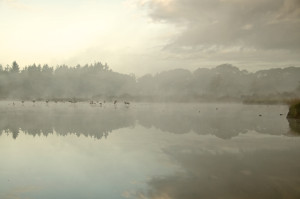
[[156, 151]]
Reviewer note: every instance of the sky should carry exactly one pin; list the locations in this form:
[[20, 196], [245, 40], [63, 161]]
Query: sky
[[150, 36]]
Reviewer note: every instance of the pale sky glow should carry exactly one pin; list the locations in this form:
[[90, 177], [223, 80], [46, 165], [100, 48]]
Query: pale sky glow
[[141, 36]]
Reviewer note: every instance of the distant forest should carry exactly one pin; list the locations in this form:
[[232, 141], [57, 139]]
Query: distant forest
[[98, 82]]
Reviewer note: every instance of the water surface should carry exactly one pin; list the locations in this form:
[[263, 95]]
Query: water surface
[[63, 150]]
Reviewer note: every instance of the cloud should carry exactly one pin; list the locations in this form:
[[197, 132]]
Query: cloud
[[215, 174], [221, 24]]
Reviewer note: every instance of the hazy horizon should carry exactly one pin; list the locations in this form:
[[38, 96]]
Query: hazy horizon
[[148, 36], [138, 75]]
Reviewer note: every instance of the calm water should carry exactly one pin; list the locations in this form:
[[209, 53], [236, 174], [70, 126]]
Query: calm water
[[161, 151]]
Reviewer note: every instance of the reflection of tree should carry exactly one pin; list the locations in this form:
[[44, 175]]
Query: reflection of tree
[[294, 125], [15, 132], [94, 123], [226, 122]]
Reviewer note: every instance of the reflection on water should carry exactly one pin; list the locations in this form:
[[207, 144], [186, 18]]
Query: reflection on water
[[294, 126], [63, 119], [223, 121], [170, 151], [261, 174]]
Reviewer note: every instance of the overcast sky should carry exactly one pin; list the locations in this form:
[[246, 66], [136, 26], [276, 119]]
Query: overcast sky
[[141, 36]]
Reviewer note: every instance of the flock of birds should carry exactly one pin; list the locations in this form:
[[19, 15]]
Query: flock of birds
[[91, 102]]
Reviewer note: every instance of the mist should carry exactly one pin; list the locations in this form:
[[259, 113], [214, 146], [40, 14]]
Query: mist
[[148, 99], [98, 82], [99, 121]]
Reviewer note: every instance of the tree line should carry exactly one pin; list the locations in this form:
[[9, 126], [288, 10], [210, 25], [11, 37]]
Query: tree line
[[62, 82], [98, 81]]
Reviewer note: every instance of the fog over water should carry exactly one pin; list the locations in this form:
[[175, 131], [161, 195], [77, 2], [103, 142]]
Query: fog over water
[[149, 99], [221, 120], [147, 150]]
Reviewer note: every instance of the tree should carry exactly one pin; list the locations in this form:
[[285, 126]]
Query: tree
[[7, 68], [47, 69], [15, 67]]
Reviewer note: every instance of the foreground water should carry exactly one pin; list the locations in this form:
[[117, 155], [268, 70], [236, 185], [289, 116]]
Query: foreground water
[[168, 151]]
